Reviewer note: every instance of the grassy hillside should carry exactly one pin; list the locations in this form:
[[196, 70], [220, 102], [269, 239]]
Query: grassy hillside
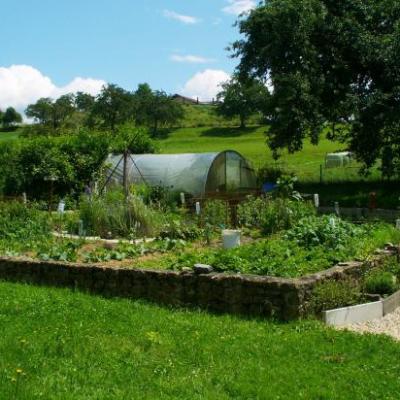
[[251, 142], [59, 344], [205, 115], [5, 136]]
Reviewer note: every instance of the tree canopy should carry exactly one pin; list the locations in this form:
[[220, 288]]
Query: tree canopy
[[241, 97], [10, 117], [331, 63]]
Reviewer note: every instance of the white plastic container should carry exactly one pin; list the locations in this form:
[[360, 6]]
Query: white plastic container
[[230, 238]]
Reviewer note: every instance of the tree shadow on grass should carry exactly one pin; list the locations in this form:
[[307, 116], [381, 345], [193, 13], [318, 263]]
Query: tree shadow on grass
[[162, 133], [227, 131]]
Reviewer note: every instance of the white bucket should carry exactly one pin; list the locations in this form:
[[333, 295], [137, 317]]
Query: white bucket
[[230, 238]]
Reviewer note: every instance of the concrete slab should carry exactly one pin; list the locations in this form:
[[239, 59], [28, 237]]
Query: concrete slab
[[355, 314], [391, 303]]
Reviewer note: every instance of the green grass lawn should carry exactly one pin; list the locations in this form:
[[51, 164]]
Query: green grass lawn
[[5, 136], [57, 344], [251, 142]]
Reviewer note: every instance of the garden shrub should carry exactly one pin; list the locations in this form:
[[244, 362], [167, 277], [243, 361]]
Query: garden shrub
[[216, 213], [179, 229], [380, 282], [334, 294], [27, 165], [21, 222], [329, 231], [272, 215]]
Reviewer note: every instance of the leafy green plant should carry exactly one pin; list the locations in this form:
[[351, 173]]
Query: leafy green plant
[[59, 251], [216, 213], [334, 294], [272, 215], [380, 282], [328, 231], [178, 229]]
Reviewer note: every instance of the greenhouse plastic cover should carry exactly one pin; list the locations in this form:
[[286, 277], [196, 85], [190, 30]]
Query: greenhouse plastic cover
[[190, 173], [338, 159]]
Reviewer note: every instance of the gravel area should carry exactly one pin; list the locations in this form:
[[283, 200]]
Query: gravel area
[[388, 325]]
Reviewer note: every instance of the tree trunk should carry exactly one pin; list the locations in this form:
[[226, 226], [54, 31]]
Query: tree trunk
[[242, 121]]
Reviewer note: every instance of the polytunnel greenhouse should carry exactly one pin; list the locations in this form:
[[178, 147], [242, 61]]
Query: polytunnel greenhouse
[[197, 174]]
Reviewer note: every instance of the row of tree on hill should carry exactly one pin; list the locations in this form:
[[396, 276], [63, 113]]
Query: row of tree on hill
[[114, 106], [9, 118]]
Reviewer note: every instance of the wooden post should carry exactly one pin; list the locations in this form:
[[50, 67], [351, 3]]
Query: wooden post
[[321, 178]]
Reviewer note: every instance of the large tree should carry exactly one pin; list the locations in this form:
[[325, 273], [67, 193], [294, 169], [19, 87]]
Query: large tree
[[50, 113], [10, 118], [242, 98], [114, 106], [331, 62]]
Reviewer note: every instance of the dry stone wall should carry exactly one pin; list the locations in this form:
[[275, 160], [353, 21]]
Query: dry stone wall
[[281, 298]]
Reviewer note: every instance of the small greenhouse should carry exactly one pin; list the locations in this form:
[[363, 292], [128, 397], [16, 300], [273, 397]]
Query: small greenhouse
[[197, 174], [340, 159]]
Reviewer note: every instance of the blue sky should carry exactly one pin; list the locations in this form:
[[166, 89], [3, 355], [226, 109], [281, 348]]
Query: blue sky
[[60, 45]]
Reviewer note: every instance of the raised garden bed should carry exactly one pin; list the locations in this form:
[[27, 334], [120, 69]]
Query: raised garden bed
[[283, 298]]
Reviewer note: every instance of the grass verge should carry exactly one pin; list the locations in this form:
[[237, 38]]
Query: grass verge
[[56, 344]]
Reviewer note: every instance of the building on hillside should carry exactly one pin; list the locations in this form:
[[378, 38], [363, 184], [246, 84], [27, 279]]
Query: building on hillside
[[185, 100], [188, 100]]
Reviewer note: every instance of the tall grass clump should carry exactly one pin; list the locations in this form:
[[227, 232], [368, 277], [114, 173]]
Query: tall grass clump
[[113, 215]]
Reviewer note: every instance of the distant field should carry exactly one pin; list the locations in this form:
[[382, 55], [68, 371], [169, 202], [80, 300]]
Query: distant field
[[251, 143], [59, 344], [4, 136]]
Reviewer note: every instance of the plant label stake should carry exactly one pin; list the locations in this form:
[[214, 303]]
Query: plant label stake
[[337, 208], [316, 200], [24, 199], [61, 207], [183, 200], [398, 223], [198, 208], [80, 228]]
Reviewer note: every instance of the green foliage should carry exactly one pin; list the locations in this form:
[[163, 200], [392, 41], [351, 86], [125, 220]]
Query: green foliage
[[272, 215], [19, 222], [285, 188], [58, 251], [320, 82], [113, 215], [241, 98], [334, 294], [38, 165], [178, 229], [135, 140], [10, 118], [52, 115], [328, 231], [113, 106], [216, 213], [380, 282]]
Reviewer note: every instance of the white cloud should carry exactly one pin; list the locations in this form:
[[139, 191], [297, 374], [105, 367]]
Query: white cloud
[[21, 85], [205, 85], [191, 59], [237, 7], [186, 19]]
